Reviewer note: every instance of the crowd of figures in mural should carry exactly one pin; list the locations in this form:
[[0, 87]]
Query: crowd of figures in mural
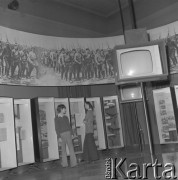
[[172, 44], [71, 65]]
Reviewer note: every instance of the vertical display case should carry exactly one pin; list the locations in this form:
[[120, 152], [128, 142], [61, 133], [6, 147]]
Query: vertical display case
[[98, 123], [46, 145], [77, 115], [165, 116], [113, 122], [8, 159], [64, 101], [24, 132]]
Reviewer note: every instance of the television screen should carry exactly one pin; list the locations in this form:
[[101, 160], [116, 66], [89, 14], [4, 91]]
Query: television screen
[[141, 63], [130, 92], [131, 59]]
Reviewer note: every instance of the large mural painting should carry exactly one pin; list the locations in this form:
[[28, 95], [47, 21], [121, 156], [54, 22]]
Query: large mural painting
[[170, 34], [38, 60]]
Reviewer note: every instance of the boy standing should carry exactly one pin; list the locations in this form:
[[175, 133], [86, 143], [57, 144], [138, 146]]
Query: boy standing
[[64, 132]]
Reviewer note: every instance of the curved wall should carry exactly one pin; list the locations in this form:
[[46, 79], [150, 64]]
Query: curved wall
[[43, 19]]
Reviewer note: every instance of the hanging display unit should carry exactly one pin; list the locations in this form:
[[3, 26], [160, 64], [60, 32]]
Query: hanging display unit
[[113, 122], [46, 148], [24, 132], [77, 115], [99, 135], [8, 158]]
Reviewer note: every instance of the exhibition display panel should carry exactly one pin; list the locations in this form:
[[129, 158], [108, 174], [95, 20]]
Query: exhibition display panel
[[113, 122], [77, 115], [47, 144], [8, 158], [24, 132], [99, 135], [165, 116]]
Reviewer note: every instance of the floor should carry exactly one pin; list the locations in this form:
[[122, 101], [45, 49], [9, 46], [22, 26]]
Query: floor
[[94, 171], [54, 171]]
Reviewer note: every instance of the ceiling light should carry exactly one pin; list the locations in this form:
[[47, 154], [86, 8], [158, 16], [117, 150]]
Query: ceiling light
[[13, 5]]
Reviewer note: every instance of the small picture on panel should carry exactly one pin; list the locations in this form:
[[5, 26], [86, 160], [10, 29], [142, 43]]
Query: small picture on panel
[[22, 134], [17, 111], [2, 120], [74, 106], [3, 134]]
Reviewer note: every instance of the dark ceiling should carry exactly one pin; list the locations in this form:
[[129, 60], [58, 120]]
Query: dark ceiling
[[103, 8]]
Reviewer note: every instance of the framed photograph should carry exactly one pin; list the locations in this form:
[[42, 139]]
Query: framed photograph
[[17, 111], [113, 122], [3, 134], [2, 119], [165, 116]]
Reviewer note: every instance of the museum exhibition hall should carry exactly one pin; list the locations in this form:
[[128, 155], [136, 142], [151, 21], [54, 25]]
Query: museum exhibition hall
[[84, 89]]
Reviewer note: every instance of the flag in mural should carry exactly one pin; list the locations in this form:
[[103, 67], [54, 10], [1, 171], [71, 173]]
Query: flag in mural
[[38, 60]]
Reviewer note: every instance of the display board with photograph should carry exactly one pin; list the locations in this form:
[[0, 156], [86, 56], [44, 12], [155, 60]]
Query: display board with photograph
[[113, 122], [77, 115], [48, 137], [172, 158], [24, 132], [165, 116], [8, 158], [99, 135], [65, 102]]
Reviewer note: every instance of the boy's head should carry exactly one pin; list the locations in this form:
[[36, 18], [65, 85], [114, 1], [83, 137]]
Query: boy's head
[[61, 109]]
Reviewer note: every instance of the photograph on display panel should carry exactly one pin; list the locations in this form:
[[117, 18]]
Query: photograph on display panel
[[76, 120], [2, 120], [44, 132], [38, 60], [165, 116], [113, 122]]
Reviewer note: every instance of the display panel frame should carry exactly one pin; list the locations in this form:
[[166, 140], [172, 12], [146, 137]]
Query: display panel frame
[[24, 132], [80, 127], [50, 151], [99, 122], [165, 115], [8, 156], [118, 122]]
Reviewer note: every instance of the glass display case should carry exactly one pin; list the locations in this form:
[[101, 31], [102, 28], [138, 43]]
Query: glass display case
[[46, 148], [24, 132], [98, 123], [65, 102], [113, 122], [8, 158], [77, 115]]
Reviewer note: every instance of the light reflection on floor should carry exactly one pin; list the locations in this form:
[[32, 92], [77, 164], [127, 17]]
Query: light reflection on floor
[[94, 171]]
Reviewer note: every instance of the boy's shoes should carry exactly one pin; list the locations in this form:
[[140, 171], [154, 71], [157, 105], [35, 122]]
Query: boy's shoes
[[74, 166], [64, 166]]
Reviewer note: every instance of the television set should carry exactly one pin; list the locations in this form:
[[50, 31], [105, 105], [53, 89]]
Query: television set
[[141, 62], [131, 92]]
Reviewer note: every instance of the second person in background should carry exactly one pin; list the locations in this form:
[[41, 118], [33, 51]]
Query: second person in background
[[90, 153]]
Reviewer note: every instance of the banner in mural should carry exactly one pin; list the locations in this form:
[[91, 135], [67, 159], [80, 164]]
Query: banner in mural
[[38, 60]]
